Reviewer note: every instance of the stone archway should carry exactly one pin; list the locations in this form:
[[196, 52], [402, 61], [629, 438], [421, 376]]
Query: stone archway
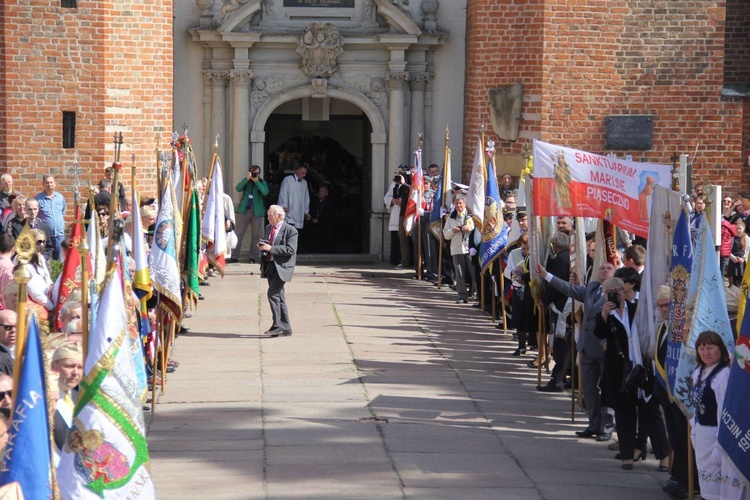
[[379, 173]]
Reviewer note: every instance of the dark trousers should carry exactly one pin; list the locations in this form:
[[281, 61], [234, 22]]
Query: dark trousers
[[561, 355], [677, 430], [591, 375], [626, 420], [277, 300], [651, 424]]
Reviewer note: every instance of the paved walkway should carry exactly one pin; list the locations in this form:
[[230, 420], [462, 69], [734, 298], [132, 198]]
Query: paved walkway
[[387, 389]]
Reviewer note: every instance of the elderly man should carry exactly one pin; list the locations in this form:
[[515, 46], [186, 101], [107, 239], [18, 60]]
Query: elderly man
[[52, 212], [7, 340], [278, 258], [294, 197], [6, 193], [67, 362], [6, 390], [589, 346]]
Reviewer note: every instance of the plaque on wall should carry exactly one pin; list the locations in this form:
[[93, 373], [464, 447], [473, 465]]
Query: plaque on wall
[[319, 3], [630, 132]]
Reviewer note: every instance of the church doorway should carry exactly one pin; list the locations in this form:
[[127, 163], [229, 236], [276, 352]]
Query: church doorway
[[333, 139]]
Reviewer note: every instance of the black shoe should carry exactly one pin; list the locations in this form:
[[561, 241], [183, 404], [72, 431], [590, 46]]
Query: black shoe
[[204, 283], [627, 466], [201, 297], [587, 433], [252, 261], [549, 388], [182, 331], [231, 260], [671, 487], [282, 333], [462, 301], [679, 493], [518, 352], [604, 437], [272, 331]]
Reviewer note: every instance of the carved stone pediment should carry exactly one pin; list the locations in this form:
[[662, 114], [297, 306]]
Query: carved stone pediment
[[319, 47]]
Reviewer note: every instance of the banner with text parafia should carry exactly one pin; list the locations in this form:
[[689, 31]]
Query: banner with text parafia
[[581, 184]]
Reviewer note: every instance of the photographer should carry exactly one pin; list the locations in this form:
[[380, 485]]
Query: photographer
[[250, 212], [457, 229]]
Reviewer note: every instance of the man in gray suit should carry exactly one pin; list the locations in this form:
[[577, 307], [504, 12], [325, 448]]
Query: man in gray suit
[[590, 347], [278, 257]]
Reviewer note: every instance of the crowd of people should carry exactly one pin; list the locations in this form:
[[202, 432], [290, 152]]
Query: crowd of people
[[608, 345], [58, 320]]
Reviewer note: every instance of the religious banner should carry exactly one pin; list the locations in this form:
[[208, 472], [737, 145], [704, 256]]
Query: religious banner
[[679, 281], [582, 184]]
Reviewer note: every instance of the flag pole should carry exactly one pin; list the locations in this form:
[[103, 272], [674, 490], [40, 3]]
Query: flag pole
[[446, 161], [83, 248], [419, 206], [25, 247], [502, 301]]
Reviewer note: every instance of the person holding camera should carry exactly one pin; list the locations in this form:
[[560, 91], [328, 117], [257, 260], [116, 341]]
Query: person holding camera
[[457, 229], [622, 359], [250, 212]]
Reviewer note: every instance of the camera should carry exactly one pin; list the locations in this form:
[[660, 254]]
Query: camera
[[613, 297], [397, 179], [254, 175]]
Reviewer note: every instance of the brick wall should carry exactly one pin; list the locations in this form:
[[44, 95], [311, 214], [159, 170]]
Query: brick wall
[[110, 62], [594, 58]]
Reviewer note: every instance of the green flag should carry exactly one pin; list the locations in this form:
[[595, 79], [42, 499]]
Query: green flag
[[192, 251]]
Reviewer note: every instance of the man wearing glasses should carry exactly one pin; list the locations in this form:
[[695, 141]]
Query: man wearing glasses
[[6, 390], [7, 340]]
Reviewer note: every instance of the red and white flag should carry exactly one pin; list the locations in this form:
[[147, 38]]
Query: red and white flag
[[414, 206], [213, 228]]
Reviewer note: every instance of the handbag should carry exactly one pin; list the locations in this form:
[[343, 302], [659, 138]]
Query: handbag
[[633, 376]]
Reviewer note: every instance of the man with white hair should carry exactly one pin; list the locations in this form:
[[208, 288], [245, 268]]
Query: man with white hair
[[278, 257], [6, 191]]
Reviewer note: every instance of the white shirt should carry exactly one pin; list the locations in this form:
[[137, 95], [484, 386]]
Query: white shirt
[[294, 196]]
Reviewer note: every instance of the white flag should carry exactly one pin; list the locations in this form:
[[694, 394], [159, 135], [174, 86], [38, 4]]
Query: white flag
[[213, 226], [477, 183], [106, 455]]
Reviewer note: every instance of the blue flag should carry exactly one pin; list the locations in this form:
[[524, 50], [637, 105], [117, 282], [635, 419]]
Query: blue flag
[[494, 229], [734, 424], [679, 276], [28, 455], [706, 294]]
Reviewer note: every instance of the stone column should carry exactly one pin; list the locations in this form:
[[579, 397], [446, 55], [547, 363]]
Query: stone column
[[218, 80], [240, 119], [379, 234], [397, 125], [258, 144], [418, 84]]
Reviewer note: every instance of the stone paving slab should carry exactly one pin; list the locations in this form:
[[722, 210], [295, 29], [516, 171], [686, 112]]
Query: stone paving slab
[[387, 389]]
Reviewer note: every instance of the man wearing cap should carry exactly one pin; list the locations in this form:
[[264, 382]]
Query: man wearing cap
[[67, 362], [7, 340]]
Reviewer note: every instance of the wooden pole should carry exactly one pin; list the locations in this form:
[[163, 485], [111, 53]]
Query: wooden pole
[[25, 247], [691, 482], [502, 302], [541, 343]]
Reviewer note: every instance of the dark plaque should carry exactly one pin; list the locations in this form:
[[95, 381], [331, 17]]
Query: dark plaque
[[318, 3], [630, 132]]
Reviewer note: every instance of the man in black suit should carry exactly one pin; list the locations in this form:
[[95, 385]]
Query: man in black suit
[[7, 340], [278, 258], [558, 264], [590, 347]]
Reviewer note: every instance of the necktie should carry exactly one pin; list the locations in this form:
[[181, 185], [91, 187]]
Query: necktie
[[69, 401], [270, 241]]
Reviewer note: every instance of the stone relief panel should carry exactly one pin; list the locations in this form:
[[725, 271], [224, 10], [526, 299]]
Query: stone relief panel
[[268, 8], [230, 6], [265, 86], [320, 45], [372, 87]]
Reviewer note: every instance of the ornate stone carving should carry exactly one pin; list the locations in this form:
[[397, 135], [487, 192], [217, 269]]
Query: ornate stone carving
[[265, 86], [215, 77], [241, 77], [372, 87], [268, 8], [419, 81], [369, 10], [231, 6], [319, 47], [402, 5], [319, 87], [430, 8], [205, 6], [397, 80]]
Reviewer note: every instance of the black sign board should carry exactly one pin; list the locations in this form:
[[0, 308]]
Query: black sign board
[[318, 3], [630, 132]]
